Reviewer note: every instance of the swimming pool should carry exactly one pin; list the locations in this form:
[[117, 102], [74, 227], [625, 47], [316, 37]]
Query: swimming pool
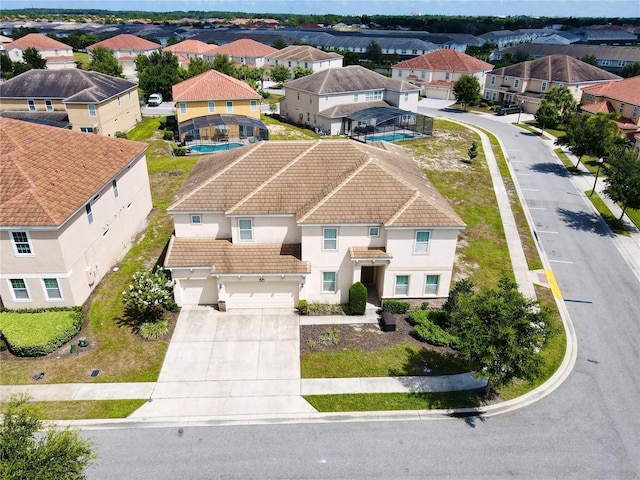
[[218, 147], [389, 137]]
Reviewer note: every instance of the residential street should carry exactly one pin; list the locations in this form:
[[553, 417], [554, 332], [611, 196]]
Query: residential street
[[588, 428]]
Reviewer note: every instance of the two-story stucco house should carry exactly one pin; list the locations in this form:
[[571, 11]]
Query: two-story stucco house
[[621, 97], [275, 222], [91, 102], [189, 49], [526, 83], [303, 56], [324, 99], [126, 48], [437, 72], [214, 106], [245, 51], [57, 54], [70, 206]]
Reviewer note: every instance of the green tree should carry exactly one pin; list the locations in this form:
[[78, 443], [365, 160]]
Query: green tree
[[28, 450], [547, 115], [32, 57], [6, 66], [198, 66], [350, 58], [596, 135], [280, 74], [104, 61], [373, 52], [299, 72], [630, 70], [623, 179], [279, 43], [20, 32], [467, 90], [157, 73], [500, 333], [223, 64], [563, 100], [473, 151], [590, 59]]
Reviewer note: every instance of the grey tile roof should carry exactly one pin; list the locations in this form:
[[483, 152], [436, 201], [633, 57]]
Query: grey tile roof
[[71, 86], [609, 52]]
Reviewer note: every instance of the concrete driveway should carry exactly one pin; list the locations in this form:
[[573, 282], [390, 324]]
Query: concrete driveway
[[241, 362]]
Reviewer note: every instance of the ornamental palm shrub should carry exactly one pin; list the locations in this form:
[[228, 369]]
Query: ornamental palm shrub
[[357, 299], [150, 294]]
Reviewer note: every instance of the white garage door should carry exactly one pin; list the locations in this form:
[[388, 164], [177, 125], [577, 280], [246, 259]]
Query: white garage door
[[261, 294], [438, 93], [198, 292]]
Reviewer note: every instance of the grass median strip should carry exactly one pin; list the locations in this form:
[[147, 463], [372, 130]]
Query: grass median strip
[[84, 409], [614, 224]]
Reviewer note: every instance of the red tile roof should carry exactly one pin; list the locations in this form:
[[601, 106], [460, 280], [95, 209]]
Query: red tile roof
[[245, 47], [47, 173], [126, 41], [445, 60], [627, 90], [596, 107], [37, 41], [195, 47], [212, 85]]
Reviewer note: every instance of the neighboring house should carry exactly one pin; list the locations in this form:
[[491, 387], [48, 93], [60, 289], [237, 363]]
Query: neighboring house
[[303, 56], [436, 72], [506, 38], [70, 207], [189, 49], [245, 52], [611, 58], [621, 97], [215, 106], [93, 102], [526, 83], [4, 41], [602, 35], [276, 222], [126, 48], [323, 100], [57, 54]]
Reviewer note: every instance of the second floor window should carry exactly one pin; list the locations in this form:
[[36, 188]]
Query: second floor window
[[21, 243], [543, 88], [212, 107], [92, 110], [422, 242], [32, 105], [330, 239], [254, 105], [48, 105], [183, 108], [196, 219], [87, 208], [245, 228], [516, 82], [229, 107]]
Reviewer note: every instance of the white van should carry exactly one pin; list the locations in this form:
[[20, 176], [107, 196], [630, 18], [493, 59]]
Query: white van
[[154, 100]]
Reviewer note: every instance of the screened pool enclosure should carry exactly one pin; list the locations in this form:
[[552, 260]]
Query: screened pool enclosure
[[222, 128], [388, 124]]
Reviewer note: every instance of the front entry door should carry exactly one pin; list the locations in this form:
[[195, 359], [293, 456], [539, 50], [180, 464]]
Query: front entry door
[[367, 275]]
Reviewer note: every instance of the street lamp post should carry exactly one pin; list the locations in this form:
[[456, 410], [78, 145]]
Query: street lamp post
[[600, 162], [520, 111]]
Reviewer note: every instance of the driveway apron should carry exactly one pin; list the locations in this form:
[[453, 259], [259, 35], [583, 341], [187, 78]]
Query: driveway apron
[[240, 362]]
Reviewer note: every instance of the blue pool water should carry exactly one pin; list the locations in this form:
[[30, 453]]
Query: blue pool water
[[389, 137], [206, 148]]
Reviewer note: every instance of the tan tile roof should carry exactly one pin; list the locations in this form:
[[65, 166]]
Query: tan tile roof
[[302, 53], [627, 90], [225, 257], [245, 47], [556, 68], [47, 173], [37, 41], [368, 252], [445, 60], [126, 41], [213, 85], [330, 181], [195, 47]]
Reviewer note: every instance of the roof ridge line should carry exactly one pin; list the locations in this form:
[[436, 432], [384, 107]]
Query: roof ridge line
[[402, 209], [335, 190], [274, 176]]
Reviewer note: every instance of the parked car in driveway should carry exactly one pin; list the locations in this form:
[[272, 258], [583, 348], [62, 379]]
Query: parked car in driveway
[[154, 100], [507, 109]]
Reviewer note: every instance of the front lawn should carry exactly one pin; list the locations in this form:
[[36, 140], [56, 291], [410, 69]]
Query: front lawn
[[84, 409]]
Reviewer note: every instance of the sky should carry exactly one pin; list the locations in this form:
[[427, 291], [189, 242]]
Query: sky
[[549, 8]]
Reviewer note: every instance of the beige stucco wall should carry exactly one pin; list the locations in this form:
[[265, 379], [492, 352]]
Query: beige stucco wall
[[69, 252], [118, 114], [21, 104], [201, 108], [318, 66]]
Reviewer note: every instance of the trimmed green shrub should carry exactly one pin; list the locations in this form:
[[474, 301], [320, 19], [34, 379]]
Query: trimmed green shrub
[[440, 318], [303, 307], [38, 334], [179, 151], [430, 333], [168, 134], [394, 306], [121, 135], [153, 330], [424, 306], [357, 299], [418, 316]]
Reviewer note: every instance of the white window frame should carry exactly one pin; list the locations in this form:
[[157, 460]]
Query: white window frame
[[241, 230], [374, 231], [92, 110], [229, 106], [31, 104], [516, 82], [212, 107], [183, 108], [326, 239], [89, 211], [196, 219], [329, 282], [86, 129], [417, 243], [26, 241], [621, 109], [14, 289], [428, 287], [48, 105], [47, 289], [493, 79], [543, 87], [114, 185], [634, 113], [396, 285], [254, 105]]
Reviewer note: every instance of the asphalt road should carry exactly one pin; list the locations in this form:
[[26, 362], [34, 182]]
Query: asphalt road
[[589, 428]]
